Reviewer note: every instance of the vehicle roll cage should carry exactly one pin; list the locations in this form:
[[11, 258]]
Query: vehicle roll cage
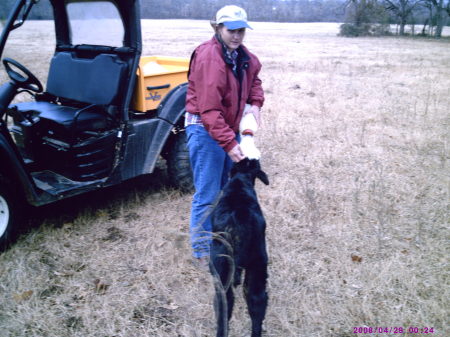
[[11, 23], [132, 44]]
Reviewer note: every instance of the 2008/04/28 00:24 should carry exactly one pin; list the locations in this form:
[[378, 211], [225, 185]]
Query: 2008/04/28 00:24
[[395, 330]]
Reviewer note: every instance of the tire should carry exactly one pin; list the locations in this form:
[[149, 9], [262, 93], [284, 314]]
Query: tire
[[10, 215], [178, 165]]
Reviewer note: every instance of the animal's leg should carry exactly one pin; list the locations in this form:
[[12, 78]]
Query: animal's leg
[[230, 302], [224, 298], [223, 302], [256, 296], [237, 276]]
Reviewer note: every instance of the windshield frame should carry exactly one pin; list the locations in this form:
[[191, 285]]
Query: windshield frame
[[97, 22]]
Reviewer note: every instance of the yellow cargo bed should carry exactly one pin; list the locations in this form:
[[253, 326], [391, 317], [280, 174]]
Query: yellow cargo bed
[[156, 76]]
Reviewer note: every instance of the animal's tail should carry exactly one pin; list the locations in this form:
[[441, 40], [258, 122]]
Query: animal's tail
[[220, 236]]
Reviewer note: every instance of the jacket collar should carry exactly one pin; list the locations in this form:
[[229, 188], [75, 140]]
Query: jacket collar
[[242, 57]]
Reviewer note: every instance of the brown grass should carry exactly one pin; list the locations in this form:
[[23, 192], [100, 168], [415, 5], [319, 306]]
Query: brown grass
[[355, 142]]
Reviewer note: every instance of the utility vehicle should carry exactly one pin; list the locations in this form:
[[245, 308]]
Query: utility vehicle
[[105, 115]]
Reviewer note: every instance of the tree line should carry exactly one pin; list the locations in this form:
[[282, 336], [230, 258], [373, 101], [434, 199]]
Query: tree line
[[358, 14], [372, 17], [258, 10]]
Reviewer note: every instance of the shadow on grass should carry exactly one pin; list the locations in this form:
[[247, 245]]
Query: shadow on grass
[[109, 199]]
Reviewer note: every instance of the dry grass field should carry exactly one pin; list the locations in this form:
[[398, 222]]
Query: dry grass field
[[356, 144]]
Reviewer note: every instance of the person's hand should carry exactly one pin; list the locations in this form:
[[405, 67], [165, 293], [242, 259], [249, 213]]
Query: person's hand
[[236, 154], [254, 109]]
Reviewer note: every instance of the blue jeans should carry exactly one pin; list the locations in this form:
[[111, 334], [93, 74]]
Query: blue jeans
[[210, 167]]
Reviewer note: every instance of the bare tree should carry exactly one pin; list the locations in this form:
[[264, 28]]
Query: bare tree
[[441, 12], [365, 17], [402, 9], [441, 17]]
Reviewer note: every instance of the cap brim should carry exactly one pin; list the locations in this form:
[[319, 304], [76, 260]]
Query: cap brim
[[232, 25]]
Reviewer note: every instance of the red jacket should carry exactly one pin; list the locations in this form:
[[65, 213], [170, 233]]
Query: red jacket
[[217, 94]]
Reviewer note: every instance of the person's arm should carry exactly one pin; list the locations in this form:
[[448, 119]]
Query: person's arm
[[210, 86], [256, 96], [256, 111], [236, 154]]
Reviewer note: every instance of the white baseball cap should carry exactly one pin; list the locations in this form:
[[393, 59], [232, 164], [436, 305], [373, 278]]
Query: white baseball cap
[[233, 17]]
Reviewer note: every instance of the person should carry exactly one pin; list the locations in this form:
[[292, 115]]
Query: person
[[223, 79]]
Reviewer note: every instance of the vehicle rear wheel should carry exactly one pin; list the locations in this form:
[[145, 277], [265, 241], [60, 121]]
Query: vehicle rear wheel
[[178, 165], [9, 215]]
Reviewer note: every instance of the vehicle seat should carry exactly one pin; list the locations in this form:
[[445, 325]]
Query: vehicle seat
[[93, 81], [60, 121], [88, 89]]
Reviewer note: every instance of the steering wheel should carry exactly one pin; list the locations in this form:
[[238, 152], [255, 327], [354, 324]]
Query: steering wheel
[[29, 81]]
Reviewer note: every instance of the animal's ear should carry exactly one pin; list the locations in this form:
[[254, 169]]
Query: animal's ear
[[262, 176]]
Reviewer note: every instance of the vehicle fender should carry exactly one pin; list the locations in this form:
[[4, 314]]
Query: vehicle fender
[[13, 169], [170, 113], [173, 105]]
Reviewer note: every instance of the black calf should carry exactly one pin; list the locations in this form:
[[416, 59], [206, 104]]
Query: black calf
[[238, 225]]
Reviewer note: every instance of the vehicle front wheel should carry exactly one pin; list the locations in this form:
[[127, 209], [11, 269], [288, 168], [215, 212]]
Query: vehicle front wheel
[[9, 215], [178, 165]]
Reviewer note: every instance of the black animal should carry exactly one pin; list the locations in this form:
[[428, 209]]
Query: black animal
[[239, 244]]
